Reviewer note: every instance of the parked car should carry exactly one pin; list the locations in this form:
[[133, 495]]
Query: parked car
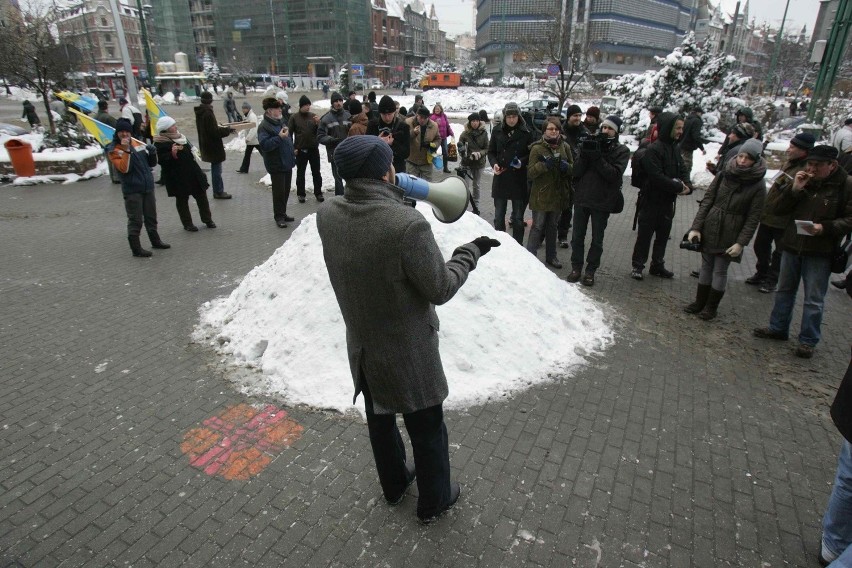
[[374, 84], [539, 109], [12, 130]]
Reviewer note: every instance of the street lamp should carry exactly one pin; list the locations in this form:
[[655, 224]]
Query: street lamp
[[146, 47]]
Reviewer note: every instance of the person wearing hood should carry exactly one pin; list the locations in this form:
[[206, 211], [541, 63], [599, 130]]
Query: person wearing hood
[[276, 147], [424, 140], [30, 114], [473, 149], [181, 173], [745, 115], [303, 127], [772, 225], [598, 175], [574, 130], [359, 119], [333, 128], [725, 223], [820, 216], [210, 143], [446, 130], [738, 135], [251, 138], [664, 183], [508, 154], [388, 274], [283, 100], [550, 168], [137, 186], [691, 139], [391, 128]]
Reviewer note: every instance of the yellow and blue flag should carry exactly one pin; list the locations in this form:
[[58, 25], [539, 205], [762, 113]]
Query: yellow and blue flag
[[103, 133], [82, 102], [155, 113]]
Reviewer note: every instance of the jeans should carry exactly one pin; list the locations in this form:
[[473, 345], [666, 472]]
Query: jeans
[[429, 444], [543, 222], [244, 167], [305, 156], [714, 270], [280, 193], [216, 175], [768, 260], [814, 272], [837, 521], [655, 221], [444, 154], [518, 206], [338, 181], [578, 237], [475, 187], [140, 208]]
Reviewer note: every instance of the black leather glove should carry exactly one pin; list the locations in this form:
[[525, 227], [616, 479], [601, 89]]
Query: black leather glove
[[563, 166], [549, 162], [485, 244], [590, 155]]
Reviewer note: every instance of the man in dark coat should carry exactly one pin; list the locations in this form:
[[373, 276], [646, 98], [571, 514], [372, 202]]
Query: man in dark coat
[[819, 205], [508, 154], [303, 127], [772, 225], [574, 131], [665, 175], [276, 147], [332, 130], [210, 136], [691, 140], [392, 128], [388, 274], [598, 177]]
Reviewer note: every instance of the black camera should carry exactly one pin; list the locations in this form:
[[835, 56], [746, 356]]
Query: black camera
[[694, 245], [594, 143], [385, 132]]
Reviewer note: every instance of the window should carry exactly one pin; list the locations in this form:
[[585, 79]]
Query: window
[[107, 38], [104, 21]]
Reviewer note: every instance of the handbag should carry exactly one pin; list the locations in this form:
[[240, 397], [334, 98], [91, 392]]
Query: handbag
[[452, 152]]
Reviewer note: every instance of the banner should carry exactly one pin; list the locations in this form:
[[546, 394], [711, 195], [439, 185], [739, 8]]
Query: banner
[[103, 133], [82, 102], [155, 113]]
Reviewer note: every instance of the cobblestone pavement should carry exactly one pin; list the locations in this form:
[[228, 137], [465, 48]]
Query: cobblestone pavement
[[686, 443]]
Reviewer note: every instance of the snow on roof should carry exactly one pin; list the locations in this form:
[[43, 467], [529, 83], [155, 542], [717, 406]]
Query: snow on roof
[[396, 9]]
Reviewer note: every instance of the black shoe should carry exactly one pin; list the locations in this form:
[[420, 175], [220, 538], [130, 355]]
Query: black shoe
[[223, 195], [136, 247], [427, 518], [211, 225], [695, 274], [588, 279], [767, 287], [805, 351], [320, 198], [240, 172], [756, 280], [410, 476], [574, 276], [661, 272], [564, 244], [281, 224], [288, 219], [840, 284], [156, 241], [554, 262], [637, 274], [301, 199], [190, 228], [767, 333]]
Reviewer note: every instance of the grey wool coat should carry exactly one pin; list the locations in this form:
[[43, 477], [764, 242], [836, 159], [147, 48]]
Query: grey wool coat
[[388, 274]]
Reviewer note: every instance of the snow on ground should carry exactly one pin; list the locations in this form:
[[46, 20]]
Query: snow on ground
[[510, 326], [54, 155]]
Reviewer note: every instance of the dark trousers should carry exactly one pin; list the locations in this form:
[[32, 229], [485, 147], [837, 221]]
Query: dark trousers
[[244, 167], [141, 208], [429, 444], [305, 156], [564, 224], [543, 225], [338, 181], [182, 205], [655, 221], [518, 206], [768, 260], [578, 237], [280, 193]]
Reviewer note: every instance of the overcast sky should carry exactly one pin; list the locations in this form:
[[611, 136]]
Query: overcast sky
[[456, 16]]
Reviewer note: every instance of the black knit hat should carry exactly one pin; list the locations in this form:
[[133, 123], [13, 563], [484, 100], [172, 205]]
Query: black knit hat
[[593, 111], [473, 116], [124, 125], [403, 111], [483, 116], [823, 153], [371, 96], [572, 110], [803, 140], [423, 111], [386, 104], [335, 96], [613, 122], [363, 157], [206, 97], [355, 107], [304, 100]]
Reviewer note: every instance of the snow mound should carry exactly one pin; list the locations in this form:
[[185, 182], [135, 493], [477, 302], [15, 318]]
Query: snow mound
[[511, 325]]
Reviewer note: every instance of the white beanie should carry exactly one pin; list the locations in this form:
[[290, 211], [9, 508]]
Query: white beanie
[[282, 95], [165, 123]]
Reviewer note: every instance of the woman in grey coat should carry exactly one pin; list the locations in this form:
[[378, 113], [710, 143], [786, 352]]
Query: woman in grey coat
[[388, 274], [725, 223]]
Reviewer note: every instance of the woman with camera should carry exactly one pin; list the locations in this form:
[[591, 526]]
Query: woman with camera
[[725, 223]]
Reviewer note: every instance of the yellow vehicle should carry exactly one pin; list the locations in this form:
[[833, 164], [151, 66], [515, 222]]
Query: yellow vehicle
[[441, 80]]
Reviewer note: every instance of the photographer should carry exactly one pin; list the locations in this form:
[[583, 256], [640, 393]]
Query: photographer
[[424, 140], [392, 128], [725, 223], [508, 154], [598, 174], [474, 141]]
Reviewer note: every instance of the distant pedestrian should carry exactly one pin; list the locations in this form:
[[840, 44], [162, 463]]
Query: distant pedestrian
[[333, 129], [30, 114], [794, 106], [251, 138], [325, 90], [176, 94], [424, 140], [404, 86], [231, 108]]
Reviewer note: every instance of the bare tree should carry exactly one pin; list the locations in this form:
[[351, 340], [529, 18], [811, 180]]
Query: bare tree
[[556, 45], [31, 55]]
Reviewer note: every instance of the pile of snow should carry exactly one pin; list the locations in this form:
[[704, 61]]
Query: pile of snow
[[513, 324]]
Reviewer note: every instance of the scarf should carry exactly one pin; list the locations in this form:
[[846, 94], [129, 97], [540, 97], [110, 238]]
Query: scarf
[[553, 142], [753, 172], [175, 137]]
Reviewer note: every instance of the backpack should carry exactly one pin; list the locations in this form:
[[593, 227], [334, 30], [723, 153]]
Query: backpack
[[638, 175]]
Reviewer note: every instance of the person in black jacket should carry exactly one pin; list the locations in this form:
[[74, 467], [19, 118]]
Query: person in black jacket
[[665, 174], [276, 147], [574, 130], [597, 193], [836, 545], [508, 154], [392, 128], [210, 143], [691, 140]]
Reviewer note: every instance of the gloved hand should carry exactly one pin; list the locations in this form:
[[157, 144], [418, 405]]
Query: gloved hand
[[590, 155], [693, 235], [549, 162], [485, 244], [735, 250], [563, 166], [151, 148]]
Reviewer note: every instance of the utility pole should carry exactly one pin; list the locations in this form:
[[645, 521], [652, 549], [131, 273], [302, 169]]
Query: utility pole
[[779, 39], [274, 69], [129, 79], [143, 24], [831, 60], [502, 39], [89, 41], [289, 43]]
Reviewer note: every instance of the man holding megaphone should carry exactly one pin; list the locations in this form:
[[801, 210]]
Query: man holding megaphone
[[388, 274]]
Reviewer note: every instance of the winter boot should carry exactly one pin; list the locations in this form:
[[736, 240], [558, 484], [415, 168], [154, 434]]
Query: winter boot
[[156, 242], [700, 299], [713, 299], [518, 233], [136, 246]]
